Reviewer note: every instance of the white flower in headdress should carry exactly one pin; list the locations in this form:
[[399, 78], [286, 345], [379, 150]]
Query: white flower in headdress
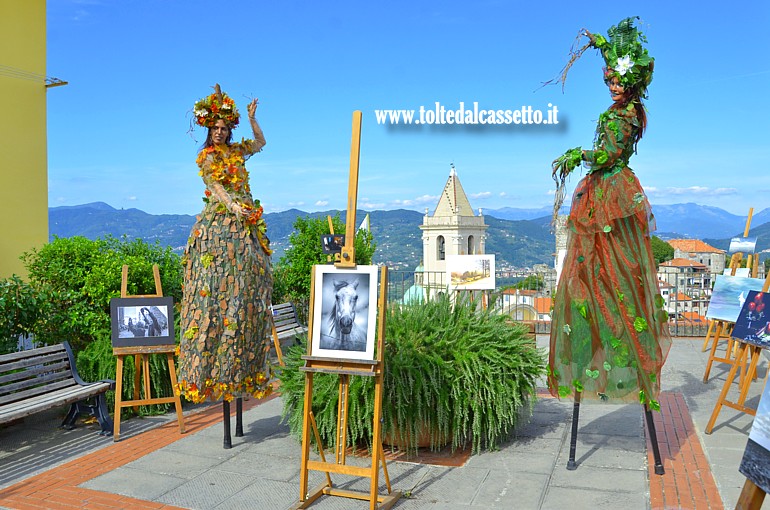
[[201, 113], [624, 64], [226, 106]]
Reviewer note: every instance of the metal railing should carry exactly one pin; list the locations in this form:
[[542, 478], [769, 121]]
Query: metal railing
[[532, 303]]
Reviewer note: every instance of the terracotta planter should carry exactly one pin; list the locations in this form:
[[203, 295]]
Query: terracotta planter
[[423, 439]]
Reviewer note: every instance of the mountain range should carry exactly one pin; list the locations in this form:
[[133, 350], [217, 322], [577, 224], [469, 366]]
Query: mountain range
[[518, 237]]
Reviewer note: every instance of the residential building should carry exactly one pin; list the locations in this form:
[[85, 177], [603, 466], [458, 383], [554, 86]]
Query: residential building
[[698, 251], [684, 274]]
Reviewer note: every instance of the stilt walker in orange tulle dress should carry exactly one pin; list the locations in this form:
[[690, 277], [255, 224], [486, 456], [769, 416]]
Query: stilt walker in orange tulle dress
[[609, 333]]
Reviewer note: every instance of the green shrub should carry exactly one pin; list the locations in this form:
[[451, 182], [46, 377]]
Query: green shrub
[[74, 279], [454, 371], [21, 307]]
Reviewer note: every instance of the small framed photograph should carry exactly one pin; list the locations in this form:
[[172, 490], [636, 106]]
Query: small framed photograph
[[470, 272], [753, 323], [138, 321], [745, 245], [344, 312], [332, 243]]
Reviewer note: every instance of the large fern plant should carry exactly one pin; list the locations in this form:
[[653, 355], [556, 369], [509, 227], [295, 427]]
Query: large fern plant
[[450, 369]]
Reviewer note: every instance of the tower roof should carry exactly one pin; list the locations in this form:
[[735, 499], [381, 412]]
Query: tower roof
[[453, 199]]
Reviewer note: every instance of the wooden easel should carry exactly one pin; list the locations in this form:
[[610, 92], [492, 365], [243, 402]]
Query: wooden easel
[[725, 327], [751, 497], [142, 365], [345, 368], [744, 382]]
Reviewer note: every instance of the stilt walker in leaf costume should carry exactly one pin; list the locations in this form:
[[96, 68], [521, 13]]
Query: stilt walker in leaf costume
[[609, 333], [228, 278]]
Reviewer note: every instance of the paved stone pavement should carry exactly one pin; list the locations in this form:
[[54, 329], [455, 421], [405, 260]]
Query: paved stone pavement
[[153, 466]]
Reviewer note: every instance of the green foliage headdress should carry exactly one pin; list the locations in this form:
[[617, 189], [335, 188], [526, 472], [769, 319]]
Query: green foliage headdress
[[624, 55]]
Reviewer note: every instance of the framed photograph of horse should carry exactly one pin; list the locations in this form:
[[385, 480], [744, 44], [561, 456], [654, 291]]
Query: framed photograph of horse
[[344, 312]]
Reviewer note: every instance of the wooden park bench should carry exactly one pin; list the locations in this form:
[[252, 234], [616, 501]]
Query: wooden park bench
[[285, 326], [35, 380]]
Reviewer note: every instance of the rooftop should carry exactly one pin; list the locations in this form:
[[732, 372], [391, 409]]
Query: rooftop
[[693, 246], [680, 262]]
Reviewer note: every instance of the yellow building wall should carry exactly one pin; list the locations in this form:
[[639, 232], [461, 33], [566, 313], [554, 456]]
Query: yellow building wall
[[24, 154]]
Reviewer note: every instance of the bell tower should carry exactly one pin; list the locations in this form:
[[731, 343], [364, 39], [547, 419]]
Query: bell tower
[[453, 229]]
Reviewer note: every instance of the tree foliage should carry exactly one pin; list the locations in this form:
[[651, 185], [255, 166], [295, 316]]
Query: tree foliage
[[531, 282], [661, 250], [67, 297], [292, 273], [79, 276]]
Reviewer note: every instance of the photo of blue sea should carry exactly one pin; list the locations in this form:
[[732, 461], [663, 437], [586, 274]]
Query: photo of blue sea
[[728, 296]]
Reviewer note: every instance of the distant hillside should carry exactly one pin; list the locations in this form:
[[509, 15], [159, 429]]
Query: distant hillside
[[762, 233], [673, 221], [397, 233], [99, 219]]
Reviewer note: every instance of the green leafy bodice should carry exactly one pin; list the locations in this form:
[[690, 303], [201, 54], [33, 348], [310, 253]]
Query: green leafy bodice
[[614, 142]]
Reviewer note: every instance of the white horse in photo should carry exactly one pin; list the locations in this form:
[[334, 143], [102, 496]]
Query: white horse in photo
[[342, 319]]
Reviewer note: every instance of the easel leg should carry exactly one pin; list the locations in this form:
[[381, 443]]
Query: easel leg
[[654, 441], [118, 398], [177, 399], [571, 465], [708, 336], [228, 441], [726, 387], [239, 417], [717, 334]]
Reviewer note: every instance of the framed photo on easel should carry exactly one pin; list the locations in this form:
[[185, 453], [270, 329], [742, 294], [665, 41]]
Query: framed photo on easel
[[138, 321], [344, 312]]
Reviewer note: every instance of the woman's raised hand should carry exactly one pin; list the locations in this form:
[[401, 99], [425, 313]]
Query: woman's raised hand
[[252, 108]]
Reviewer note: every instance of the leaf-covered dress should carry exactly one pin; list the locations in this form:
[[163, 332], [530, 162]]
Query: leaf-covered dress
[[227, 286], [609, 333]]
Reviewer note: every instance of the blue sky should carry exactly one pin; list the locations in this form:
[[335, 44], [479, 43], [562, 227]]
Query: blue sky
[[118, 132]]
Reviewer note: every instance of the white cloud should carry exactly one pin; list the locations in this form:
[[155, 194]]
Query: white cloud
[[372, 205], [550, 192], [131, 198], [424, 199], [296, 204], [503, 194], [321, 203], [482, 195], [701, 191]]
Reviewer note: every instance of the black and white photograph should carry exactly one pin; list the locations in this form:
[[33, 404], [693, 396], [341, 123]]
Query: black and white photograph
[[142, 321], [344, 312]]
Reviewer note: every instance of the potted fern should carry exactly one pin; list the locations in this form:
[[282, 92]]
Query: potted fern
[[453, 373]]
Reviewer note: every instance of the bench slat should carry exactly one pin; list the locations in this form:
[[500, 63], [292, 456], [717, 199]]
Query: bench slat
[[57, 398], [32, 352], [40, 390], [34, 382], [31, 361], [42, 369]]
